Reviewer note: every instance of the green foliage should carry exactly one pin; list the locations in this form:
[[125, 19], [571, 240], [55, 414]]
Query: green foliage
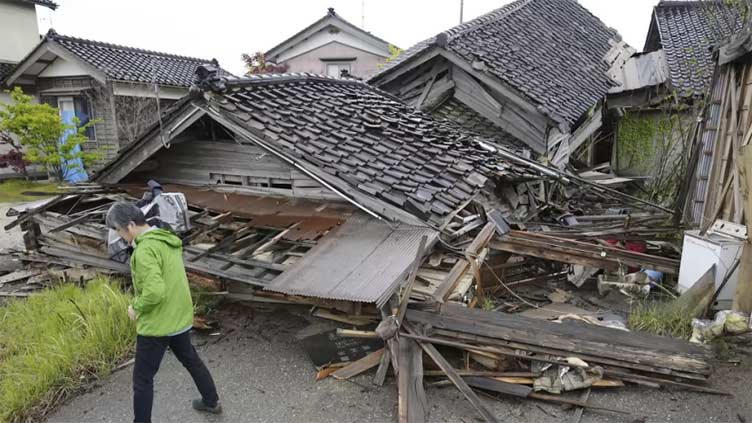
[[661, 318], [38, 128], [56, 340], [394, 52], [13, 191], [653, 145], [204, 300]]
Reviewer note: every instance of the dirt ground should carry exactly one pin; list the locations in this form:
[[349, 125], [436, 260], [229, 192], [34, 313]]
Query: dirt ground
[[263, 375]]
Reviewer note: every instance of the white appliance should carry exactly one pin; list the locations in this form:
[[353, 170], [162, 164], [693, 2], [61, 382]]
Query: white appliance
[[720, 246]]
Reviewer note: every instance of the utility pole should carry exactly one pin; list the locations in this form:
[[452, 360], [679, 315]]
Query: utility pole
[[462, 9], [363, 15]]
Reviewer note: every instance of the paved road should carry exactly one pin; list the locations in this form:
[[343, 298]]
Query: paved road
[[12, 238], [264, 376]]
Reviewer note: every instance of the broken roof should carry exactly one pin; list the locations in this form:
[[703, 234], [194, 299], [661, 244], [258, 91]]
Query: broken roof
[[552, 51], [116, 62], [687, 31], [361, 142], [455, 111]]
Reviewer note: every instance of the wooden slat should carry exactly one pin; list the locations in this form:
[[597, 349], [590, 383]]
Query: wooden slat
[[357, 367], [456, 379]]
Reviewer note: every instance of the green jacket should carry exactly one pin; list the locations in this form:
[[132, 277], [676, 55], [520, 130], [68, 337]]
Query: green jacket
[[163, 299]]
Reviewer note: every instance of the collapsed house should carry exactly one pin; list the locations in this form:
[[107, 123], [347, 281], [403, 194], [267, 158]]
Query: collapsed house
[[305, 189], [530, 73]]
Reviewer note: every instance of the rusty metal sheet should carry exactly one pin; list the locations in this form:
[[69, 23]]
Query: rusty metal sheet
[[362, 260]]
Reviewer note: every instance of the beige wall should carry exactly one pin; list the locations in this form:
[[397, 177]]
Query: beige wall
[[364, 65], [19, 32]]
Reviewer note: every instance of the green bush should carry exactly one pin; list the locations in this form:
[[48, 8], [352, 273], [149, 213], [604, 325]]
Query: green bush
[[661, 318], [53, 342]]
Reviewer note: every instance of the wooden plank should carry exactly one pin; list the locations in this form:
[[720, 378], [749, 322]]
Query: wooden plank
[[456, 379], [350, 333], [526, 392], [433, 74], [357, 367], [591, 343], [696, 299], [17, 276], [452, 279], [412, 401], [411, 278]]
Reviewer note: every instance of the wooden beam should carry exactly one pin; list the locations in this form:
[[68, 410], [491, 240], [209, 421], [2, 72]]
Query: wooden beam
[[405, 67], [412, 401], [743, 296], [411, 279]]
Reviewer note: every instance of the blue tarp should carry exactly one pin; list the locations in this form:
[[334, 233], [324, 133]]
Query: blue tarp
[[73, 170]]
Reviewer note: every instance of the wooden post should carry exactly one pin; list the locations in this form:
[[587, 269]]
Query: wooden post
[[743, 296], [413, 405]]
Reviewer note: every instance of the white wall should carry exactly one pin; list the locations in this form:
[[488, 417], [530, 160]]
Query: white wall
[[19, 32], [61, 67], [325, 37]]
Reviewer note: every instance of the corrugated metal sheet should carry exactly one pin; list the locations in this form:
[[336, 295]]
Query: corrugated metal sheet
[[640, 71], [705, 161], [363, 260]]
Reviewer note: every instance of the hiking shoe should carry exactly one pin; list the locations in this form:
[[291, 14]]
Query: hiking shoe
[[199, 405]]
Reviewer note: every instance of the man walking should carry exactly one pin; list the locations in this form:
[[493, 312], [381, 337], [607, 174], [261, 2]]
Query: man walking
[[162, 309]]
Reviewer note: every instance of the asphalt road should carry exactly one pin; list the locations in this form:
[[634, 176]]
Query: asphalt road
[[264, 376]]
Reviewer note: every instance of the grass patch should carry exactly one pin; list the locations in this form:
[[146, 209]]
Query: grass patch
[[12, 191], [54, 342], [661, 318]]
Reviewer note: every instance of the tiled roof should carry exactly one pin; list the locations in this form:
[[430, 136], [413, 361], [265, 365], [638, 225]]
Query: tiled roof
[[365, 138], [5, 70], [453, 110], [687, 31], [552, 51], [131, 64]]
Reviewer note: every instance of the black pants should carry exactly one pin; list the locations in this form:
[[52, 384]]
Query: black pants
[[149, 353]]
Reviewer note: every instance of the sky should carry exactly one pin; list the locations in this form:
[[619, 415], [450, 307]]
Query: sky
[[224, 29]]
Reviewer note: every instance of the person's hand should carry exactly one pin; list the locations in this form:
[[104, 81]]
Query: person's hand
[[132, 313]]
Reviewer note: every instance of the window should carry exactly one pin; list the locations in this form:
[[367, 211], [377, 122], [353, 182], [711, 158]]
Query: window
[[335, 69], [70, 106]]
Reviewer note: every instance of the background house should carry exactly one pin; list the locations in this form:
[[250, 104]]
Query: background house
[[663, 93], [19, 33], [122, 86], [531, 70], [330, 46]]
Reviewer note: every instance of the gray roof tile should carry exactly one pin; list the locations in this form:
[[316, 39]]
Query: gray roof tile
[[687, 31], [389, 162], [132, 64], [552, 51]]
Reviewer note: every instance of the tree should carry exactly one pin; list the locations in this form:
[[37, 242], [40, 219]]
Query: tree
[[257, 64], [394, 52], [14, 158], [35, 131]]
